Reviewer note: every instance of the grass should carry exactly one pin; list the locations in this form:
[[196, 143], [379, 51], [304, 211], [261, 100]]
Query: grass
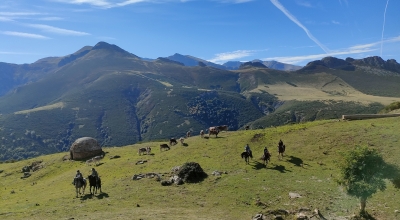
[[309, 168]]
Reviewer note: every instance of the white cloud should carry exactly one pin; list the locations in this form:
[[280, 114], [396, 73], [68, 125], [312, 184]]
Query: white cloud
[[56, 30], [26, 35], [356, 49], [238, 54], [50, 19], [294, 19], [335, 22], [304, 3]]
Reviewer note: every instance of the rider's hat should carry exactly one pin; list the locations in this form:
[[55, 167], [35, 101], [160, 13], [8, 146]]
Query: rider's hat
[[77, 171], [92, 168]]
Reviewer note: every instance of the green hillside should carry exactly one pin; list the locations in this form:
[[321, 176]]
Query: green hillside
[[309, 168]]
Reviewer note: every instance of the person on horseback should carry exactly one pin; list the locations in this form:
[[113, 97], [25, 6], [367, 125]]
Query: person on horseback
[[280, 144], [248, 150], [78, 177], [266, 153], [95, 174]]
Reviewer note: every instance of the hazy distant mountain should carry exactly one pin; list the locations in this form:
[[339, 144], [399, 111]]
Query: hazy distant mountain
[[234, 65], [110, 94], [188, 60]]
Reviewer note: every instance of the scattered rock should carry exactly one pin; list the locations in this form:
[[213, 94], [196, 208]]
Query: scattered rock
[[12, 191], [26, 175], [293, 195], [141, 162], [1, 171], [137, 205], [166, 183], [216, 173], [259, 217]]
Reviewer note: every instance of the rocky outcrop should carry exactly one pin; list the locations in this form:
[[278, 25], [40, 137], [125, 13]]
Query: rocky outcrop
[[247, 65], [85, 147]]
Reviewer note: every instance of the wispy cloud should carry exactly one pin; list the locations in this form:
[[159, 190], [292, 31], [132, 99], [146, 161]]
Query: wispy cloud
[[294, 19], [335, 22], [22, 34], [384, 21], [234, 55], [234, 1], [356, 49], [103, 3], [304, 3], [51, 19], [56, 30]]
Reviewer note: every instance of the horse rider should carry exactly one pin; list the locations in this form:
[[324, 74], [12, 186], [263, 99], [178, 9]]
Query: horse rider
[[78, 177], [266, 153], [247, 149], [280, 144], [95, 174]]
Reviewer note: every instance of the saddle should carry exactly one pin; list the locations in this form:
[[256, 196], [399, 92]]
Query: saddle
[[82, 180]]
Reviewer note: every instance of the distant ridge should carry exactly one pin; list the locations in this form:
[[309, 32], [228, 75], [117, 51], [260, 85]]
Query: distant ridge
[[188, 60], [234, 65]]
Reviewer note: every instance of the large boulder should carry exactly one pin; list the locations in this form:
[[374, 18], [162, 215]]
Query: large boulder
[[85, 147]]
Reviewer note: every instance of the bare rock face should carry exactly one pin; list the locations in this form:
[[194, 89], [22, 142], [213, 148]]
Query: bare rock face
[[84, 148]]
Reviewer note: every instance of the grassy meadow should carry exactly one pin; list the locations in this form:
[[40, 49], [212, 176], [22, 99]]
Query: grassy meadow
[[309, 168]]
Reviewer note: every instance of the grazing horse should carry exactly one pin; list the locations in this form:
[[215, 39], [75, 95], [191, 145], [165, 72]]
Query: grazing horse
[[79, 183], [96, 159], [142, 150], [246, 155], [247, 127], [188, 134], [95, 183], [202, 134], [172, 141], [213, 130], [281, 150], [182, 140], [164, 146]]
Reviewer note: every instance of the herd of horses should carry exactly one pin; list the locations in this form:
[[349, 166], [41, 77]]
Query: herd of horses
[[94, 183]]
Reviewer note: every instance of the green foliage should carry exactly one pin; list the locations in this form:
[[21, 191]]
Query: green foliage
[[391, 107], [363, 172], [191, 172]]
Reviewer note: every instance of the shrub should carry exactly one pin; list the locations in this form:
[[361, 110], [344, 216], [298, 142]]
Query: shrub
[[191, 172]]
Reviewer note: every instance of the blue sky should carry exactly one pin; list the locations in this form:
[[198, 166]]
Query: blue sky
[[289, 31]]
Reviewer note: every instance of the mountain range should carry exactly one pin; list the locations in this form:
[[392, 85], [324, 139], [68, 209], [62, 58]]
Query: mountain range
[[110, 94]]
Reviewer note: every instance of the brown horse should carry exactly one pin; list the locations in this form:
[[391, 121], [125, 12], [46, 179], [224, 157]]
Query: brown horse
[[95, 183], [246, 155], [172, 141], [164, 146], [281, 150], [266, 158]]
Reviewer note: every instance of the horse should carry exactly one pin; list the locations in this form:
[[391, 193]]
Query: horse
[[172, 141], [266, 158], [182, 140], [213, 130], [95, 183], [79, 183], [202, 134], [164, 146], [246, 155], [281, 150], [142, 150], [188, 134], [96, 159]]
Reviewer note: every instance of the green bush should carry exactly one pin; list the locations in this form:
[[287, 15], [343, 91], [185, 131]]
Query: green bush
[[191, 172]]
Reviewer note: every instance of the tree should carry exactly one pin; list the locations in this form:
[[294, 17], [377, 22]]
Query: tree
[[363, 172]]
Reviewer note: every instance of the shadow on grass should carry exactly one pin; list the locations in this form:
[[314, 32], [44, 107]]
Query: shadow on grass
[[363, 216], [295, 160], [87, 196], [102, 195], [279, 168], [185, 144], [257, 165]]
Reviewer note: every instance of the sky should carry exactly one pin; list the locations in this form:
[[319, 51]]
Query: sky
[[289, 31]]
